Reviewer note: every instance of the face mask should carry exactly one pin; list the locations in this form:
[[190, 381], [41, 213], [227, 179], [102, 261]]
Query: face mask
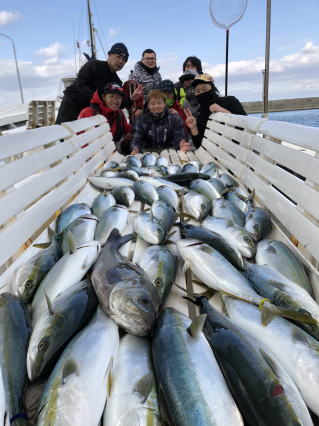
[[190, 91], [207, 98], [169, 102]]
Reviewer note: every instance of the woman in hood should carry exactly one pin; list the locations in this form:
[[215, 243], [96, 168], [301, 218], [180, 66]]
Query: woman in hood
[[210, 101], [107, 101]]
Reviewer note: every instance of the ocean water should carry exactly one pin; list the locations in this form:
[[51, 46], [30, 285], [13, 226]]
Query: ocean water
[[309, 117]]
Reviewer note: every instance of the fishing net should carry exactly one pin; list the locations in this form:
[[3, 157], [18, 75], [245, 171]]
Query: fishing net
[[225, 13]]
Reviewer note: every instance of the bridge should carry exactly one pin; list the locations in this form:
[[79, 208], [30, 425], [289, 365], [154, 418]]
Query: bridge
[[282, 105]]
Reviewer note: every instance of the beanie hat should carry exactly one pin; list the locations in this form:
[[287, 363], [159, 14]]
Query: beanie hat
[[110, 88], [188, 75], [166, 86], [203, 79], [119, 49]]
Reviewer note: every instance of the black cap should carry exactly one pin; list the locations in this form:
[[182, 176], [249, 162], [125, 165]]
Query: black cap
[[119, 49], [110, 88], [166, 86]]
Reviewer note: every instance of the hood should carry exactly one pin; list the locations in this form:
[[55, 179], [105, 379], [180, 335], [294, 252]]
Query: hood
[[96, 99], [139, 66]]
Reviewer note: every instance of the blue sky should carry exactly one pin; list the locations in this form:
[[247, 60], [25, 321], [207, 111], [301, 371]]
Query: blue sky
[[44, 33]]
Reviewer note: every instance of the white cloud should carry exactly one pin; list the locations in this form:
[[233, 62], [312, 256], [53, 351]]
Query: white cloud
[[8, 17], [293, 75], [113, 31], [54, 50]]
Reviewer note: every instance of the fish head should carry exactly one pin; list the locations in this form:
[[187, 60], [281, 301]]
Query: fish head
[[26, 281], [246, 242], [134, 307]]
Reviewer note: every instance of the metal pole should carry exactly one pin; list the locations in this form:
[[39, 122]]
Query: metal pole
[[267, 54], [93, 51], [226, 64], [16, 62]]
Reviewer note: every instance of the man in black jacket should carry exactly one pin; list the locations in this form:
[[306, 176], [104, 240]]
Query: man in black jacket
[[93, 75], [209, 101]]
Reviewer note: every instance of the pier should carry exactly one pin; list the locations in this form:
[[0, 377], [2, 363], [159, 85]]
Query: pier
[[282, 105]]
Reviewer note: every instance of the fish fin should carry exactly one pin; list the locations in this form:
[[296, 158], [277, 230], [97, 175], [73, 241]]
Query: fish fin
[[142, 206], [109, 381], [169, 242], [133, 211], [49, 304], [85, 263], [69, 368], [271, 363], [42, 245], [196, 326], [267, 313], [51, 233], [144, 386], [171, 234], [186, 267], [71, 242], [278, 285]]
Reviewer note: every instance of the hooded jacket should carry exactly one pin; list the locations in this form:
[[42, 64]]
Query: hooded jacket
[[162, 131], [149, 77], [116, 119]]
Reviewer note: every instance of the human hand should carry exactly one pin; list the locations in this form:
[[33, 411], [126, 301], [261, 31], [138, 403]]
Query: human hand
[[135, 151], [184, 145], [217, 108], [138, 112], [190, 119], [138, 92], [173, 111]]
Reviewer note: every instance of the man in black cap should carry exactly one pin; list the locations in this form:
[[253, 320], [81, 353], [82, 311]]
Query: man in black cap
[[93, 75]]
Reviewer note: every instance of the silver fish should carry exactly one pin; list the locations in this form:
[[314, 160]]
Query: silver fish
[[205, 188], [149, 229], [101, 203], [196, 205], [114, 217], [109, 183], [164, 213], [258, 222], [168, 194], [124, 195], [227, 210], [148, 159], [82, 230], [145, 192], [70, 214]]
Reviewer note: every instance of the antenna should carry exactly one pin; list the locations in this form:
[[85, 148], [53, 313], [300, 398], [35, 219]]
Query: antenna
[[92, 37]]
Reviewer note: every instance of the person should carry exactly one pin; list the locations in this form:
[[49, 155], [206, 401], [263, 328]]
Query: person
[[187, 96], [107, 101], [157, 129], [168, 89], [210, 101], [92, 75], [146, 72]]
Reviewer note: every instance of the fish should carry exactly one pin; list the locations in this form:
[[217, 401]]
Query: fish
[[69, 270], [149, 229], [196, 205], [205, 188], [63, 319], [191, 387], [70, 214], [214, 270], [228, 180], [77, 388], [236, 236], [210, 169], [4, 415], [294, 348], [133, 396], [258, 223], [185, 179], [28, 276], [236, 199], [124, 195], [225, 209], [145, 192], [232, 254], [108, 173], [160, 181], [162, 161], [14, 336], [148, 159], [161, 266], [190, 168], [110, 165], [109, 183], [101, 203], [219, 186], [263, 391], [164, 213], [278, 256], [285, 293], [82, 229], [114, 217], [174, 169], [124, 290], [132, 161], [168, 194], [129, 174]]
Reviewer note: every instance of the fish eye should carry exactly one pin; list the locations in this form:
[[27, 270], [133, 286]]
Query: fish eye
[[44, 344], [247, 239], [157, 282], [28, 284]]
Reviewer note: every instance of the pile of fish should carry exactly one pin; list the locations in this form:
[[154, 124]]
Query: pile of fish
[[89, 327]]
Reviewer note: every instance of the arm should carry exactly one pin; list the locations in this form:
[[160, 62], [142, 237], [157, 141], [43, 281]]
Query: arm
[[137, 134], [178, 130]]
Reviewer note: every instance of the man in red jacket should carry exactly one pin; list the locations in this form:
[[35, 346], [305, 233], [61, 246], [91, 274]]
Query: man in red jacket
[[107, 101]]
